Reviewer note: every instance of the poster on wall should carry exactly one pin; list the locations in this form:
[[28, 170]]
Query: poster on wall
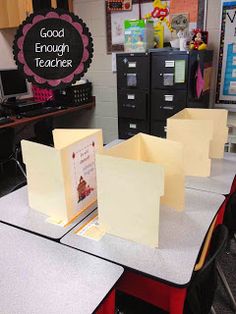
[[226, 78], [53, 48]]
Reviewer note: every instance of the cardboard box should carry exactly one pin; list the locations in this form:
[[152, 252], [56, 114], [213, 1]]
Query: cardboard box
[[132, 179], [62, 180]]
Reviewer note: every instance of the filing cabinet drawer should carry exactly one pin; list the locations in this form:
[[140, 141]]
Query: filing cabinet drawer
[[166, 103], [158, 128], [169, 71], [133, 71], [132, 104], [130, 127]]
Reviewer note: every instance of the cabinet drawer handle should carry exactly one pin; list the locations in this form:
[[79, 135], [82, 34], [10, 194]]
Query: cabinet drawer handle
[[129, 106], [131, 134], [167, 108]]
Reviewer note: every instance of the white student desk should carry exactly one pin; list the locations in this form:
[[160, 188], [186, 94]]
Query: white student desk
[[159, 276], [222, 176], [41, 276], [14, 210], [180, 238]]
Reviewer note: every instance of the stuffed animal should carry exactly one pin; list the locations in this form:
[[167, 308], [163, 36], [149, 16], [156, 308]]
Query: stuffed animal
[[197, 42]]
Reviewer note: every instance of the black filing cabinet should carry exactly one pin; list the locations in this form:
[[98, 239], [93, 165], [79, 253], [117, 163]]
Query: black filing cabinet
[[151, 87], [173, 84], [133, 90]]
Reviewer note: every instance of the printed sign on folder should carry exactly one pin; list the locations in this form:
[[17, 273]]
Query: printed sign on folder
[[132, 179], [62, 180]]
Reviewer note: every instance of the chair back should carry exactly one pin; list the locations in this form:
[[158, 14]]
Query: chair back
[[7, 143], [230, 215], [201, 291]]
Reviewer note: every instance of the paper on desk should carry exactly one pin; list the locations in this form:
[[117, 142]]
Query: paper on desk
[[91, 229]]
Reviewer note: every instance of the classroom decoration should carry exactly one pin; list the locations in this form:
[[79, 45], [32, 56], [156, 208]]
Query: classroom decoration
[[131, 179], [160, 11], [139, 35], [198, 42], [119, 5], [179, 22], [226, 78], [203, 133], [62, 180], [53, 48]]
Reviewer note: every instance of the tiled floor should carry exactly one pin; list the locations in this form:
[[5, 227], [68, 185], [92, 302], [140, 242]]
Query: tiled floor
[[11, 177]]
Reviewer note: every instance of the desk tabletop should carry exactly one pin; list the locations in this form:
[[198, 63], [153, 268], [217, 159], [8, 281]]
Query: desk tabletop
[[41, 276], [14, 210], [17, 122], [180, 238], [222, 175]]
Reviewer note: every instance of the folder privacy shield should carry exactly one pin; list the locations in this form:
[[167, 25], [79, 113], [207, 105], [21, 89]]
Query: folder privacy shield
[[132, 179], [203, 133], [62, 179]]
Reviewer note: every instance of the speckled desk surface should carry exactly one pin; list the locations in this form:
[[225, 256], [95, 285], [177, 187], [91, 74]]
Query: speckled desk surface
[[14, 210], [41, 276], [180, 238], [222, 175]]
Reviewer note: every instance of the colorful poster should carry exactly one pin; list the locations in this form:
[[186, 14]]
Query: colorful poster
[[226, 79]]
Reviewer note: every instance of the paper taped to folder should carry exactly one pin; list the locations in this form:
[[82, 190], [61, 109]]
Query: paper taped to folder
[[62, 180]]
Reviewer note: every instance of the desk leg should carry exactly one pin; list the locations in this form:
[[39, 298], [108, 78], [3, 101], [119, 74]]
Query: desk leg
[[154, 292], [108, 305], [177, 298]]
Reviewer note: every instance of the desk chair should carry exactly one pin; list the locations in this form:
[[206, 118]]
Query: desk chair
[[43, 132], [230, 222], [201, 291], [8, 152], [18, 186], [230, 217]]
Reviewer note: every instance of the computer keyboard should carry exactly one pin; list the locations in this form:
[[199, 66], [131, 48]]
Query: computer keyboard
[[5, 120], [39, 111]]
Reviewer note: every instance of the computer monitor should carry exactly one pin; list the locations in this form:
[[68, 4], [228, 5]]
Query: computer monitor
[[12, 83]]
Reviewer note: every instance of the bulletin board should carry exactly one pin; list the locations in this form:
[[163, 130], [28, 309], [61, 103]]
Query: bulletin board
[[226, 78], [115, 20]]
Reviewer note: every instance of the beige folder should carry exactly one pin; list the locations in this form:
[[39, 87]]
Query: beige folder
[[203, 133], [62, 180], [131, 179]]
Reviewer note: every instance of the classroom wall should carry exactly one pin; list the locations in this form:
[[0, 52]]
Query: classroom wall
[[6, 57], [100, 72], [213, 27]]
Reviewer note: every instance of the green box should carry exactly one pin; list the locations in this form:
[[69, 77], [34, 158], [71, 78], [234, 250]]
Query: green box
[[139, 35]]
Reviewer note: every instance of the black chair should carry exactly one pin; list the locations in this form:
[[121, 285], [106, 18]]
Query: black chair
[[17, 186], [201, 291], [230, 216], [43, 132], [230, 222], [8, 151]]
